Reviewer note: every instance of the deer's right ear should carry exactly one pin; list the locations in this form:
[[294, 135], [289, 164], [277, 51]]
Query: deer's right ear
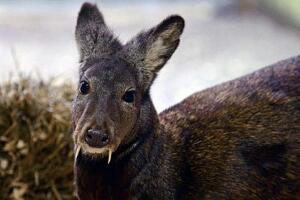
[[93, 37], [150, 50]]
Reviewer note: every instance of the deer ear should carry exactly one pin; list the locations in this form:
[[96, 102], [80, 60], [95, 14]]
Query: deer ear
[[150, 50], [93, 37]]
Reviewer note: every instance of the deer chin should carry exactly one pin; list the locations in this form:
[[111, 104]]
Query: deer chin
[[94, 152]]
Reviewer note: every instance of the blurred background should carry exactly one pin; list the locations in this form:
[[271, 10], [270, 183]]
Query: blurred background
[[223, 39]]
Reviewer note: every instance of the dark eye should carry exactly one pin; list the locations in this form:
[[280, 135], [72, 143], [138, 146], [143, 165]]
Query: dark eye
[[129, 96], [84, 87]]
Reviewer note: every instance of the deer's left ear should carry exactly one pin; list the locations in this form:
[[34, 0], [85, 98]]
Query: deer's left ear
[[150, 50], [93, 37]]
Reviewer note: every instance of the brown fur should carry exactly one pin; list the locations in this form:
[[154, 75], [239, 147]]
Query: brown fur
[[237, 140], [243, 136]]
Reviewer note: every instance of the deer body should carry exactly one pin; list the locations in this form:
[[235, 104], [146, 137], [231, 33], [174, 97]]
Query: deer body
[[237, 140], [243, 136]]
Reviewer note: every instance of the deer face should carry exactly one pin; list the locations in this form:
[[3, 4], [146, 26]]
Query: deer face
[[115, 79], [106, 106]]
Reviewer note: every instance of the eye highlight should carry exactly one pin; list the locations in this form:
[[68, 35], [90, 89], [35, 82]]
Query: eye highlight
[[129, 96], [84, 87]]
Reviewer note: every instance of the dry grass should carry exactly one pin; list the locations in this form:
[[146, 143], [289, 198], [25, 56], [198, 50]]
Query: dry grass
[[36, 155]]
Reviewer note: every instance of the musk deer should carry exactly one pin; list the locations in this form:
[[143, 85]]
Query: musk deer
[[237, 140]]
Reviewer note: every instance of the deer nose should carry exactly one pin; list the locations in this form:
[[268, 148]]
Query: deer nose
[[96, 138]]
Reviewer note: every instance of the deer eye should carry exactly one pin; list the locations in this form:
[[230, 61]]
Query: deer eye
[[129, 96], [84, 87]]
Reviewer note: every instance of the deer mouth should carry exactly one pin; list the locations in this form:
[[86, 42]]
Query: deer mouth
[[95, 143], [96, 152]]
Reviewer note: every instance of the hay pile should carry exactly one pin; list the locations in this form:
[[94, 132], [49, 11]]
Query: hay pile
[[36, 155]]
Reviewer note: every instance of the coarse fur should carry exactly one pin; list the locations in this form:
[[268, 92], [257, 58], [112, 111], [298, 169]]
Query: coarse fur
[[237, 140]]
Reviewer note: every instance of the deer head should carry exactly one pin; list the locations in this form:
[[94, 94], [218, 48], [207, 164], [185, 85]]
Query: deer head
[[112, 103]]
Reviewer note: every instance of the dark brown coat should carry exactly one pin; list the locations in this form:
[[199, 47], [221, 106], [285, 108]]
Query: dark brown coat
[[242, 137], [237, 140]]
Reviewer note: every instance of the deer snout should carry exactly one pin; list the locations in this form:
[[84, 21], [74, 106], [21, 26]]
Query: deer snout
[[96, 138]]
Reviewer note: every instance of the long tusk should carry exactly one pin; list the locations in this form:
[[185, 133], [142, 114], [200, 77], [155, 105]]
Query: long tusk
[[77, 152], [109, 155]]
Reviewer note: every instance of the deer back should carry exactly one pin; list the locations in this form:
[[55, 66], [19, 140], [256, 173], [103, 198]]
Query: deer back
[[241, 139]]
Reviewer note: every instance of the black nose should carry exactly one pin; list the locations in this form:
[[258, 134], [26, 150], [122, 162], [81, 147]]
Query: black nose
[[96, 138]]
